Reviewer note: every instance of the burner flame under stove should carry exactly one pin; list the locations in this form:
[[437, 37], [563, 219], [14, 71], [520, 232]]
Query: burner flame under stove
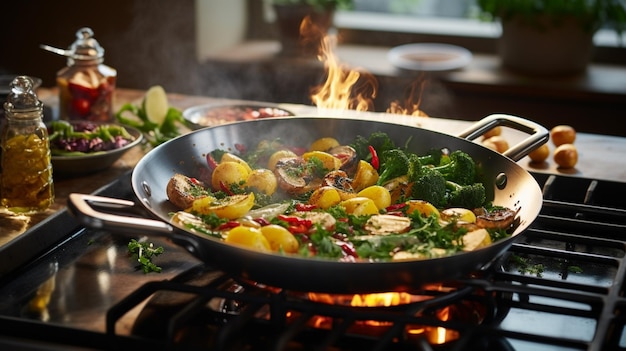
[[422, 304]]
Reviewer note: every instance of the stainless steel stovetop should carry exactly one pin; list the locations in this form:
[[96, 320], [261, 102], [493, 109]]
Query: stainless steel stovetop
[[560, 287]]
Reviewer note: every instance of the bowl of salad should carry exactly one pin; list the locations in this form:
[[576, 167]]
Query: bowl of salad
[[82, 147]]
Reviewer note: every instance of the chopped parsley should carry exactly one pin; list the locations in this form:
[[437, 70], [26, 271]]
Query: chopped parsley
[[143, 252]]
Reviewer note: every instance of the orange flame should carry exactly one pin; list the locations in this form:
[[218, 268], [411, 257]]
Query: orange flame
[[410, 107], [351, 89], [344, 89]]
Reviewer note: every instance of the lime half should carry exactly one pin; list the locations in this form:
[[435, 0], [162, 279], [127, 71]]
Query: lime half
[[155, 104]]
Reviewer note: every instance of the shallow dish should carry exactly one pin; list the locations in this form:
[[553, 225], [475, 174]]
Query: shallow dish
[[211, 115], [429, 57], [86, 163]]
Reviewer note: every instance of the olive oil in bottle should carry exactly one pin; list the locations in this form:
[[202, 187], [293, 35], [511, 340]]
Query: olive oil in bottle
[[26, 180]]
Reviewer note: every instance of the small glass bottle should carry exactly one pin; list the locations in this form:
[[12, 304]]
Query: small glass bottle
[[86, 85], [26, 180]]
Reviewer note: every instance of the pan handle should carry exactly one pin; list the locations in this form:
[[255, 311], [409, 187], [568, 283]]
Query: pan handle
[[539, 135], [82, 206]]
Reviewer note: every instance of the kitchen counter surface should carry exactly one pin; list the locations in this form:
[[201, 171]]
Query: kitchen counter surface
[[600, 156]]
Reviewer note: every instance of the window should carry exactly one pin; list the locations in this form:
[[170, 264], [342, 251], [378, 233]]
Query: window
[[453, 21], [430, 8]]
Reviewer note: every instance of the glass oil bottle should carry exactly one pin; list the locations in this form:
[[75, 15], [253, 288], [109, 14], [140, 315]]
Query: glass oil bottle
[[26, 184]]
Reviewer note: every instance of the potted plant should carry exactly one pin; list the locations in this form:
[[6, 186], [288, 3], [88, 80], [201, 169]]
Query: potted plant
[[551, 37], [289, 17]]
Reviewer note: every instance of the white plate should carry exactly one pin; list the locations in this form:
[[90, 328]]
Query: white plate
[[429, 57]]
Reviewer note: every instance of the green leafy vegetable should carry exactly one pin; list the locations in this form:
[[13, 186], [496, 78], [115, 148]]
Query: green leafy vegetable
[[156, 133], [143, 253]]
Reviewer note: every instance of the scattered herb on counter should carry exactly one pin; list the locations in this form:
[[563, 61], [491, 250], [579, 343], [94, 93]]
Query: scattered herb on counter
[[154, 117], [79, 138], [574, 269], [143, 253], [525, 267]]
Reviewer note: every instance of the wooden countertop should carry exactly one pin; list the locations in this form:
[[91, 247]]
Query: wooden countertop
[[600, 156]]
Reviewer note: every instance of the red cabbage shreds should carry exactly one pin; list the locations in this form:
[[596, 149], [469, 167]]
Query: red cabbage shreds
[[84, 126], [119, 142], [87, 137]]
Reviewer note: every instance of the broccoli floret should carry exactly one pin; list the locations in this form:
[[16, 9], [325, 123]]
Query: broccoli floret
[[378, 140], [467, 196], [461, 169], [433, 157], [394, 163], [415, 167], [429, 185]]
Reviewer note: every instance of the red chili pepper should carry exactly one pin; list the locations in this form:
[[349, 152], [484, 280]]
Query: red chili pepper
[[375, 160], [262, 221], [225, 189], [210, 160], [304, 207], [229, 225], [348, 250], [298, 229], [395, 207], [295, 220], [195, 181]]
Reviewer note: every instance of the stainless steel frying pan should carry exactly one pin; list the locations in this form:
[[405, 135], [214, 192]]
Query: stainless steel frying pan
[[507, 183]]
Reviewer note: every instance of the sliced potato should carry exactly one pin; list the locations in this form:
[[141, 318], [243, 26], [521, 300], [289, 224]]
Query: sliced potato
[[330, 162], [228, 173], [365, 176], [325, 197], [476, 239], [379, 194], [263, 180], [360, 206], [425, 208], [324, 144], [248, 237], [459, 214], [280, 239], [229, 157], [231, 207]]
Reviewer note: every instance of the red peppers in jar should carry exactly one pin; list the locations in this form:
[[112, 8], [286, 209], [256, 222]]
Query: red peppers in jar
[[86, 85]]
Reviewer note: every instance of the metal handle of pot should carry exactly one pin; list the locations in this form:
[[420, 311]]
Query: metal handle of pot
[[82, 207], [538, 135]]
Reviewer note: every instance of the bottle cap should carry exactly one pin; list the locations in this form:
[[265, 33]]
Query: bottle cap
[[84, 48], [22, 97]]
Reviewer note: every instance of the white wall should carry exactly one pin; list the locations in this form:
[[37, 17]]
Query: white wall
[[220, 24]]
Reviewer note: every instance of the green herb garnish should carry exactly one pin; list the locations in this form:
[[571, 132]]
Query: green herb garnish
[[143, 253]]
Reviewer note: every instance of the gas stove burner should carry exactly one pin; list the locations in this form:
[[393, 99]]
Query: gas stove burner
[[204, 303]]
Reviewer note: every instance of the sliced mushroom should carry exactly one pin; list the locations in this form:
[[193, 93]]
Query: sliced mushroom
[[501, 218], [347, 155], [292, 178], [340, 181], [182, 191], [324, 219], [384, 224]]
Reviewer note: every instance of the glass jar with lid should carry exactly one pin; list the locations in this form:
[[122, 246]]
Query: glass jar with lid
[[86, 85], [26, 184]]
